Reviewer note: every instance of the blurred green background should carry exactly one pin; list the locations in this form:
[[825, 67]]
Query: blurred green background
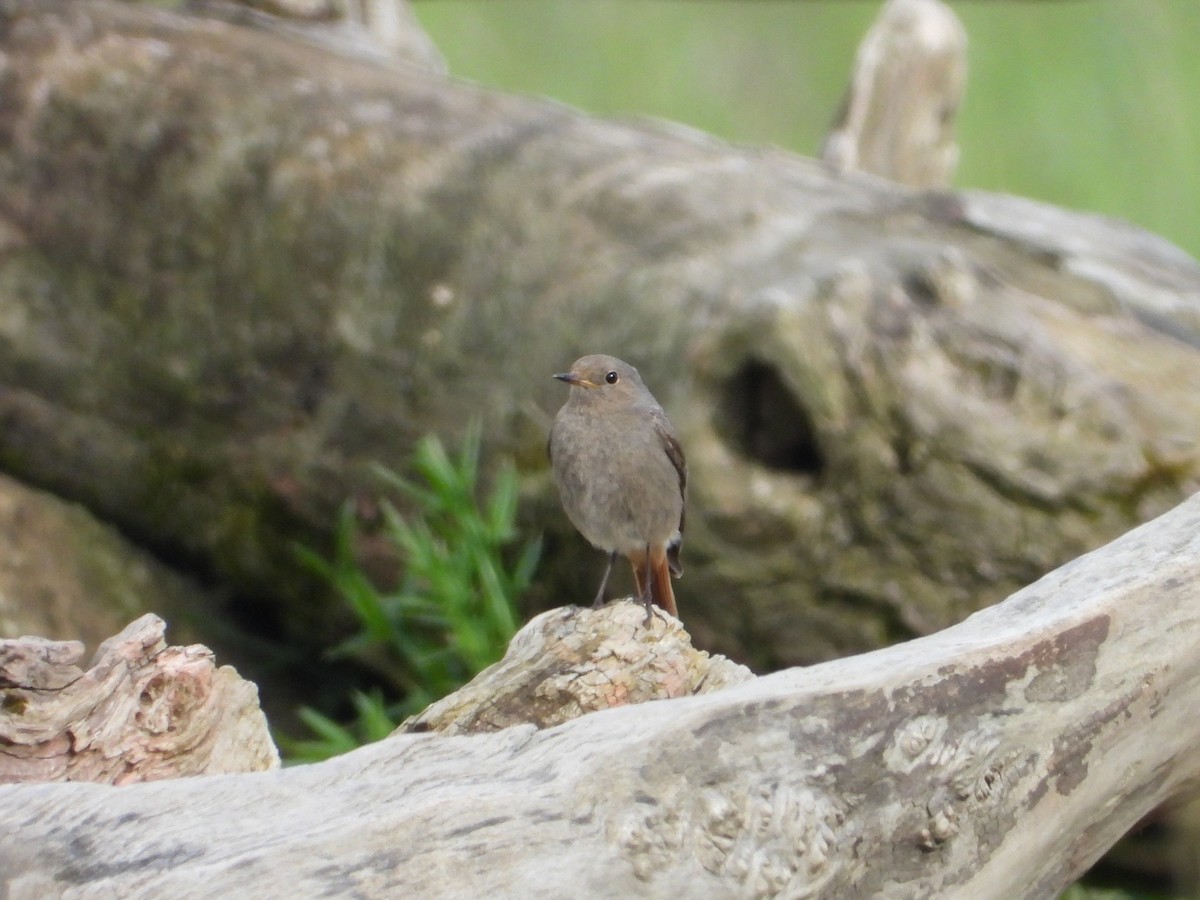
[[1088, 104]]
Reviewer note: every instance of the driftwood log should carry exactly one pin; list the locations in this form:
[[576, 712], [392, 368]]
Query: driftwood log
[[141, 711], [239, 268], [995, 759]]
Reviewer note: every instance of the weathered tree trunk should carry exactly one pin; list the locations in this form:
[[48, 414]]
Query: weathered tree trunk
[[238, 269], [140, 712], [996, 759], [897, 118]]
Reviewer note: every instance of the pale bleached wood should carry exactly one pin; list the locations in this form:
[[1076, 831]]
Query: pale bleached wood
[[995, 759], [572, 661], [140, 711], [898, 115]]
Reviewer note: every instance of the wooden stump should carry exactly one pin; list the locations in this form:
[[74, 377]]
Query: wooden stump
[[140, 711]]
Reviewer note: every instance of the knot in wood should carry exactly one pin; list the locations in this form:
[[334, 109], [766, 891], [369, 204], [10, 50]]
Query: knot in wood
[[943, 825], [771, 838], [912, 740]]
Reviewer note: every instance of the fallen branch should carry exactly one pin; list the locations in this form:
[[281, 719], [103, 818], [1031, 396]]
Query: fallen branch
[[995, 759]]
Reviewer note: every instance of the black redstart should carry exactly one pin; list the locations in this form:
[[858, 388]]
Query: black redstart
[[621, 474]]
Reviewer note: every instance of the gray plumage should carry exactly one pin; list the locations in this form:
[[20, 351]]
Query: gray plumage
[[620, 470]]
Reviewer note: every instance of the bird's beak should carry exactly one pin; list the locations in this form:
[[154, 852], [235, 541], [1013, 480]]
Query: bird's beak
[[575, 380]]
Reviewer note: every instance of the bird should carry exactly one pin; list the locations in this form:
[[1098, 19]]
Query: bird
[[621, 474]]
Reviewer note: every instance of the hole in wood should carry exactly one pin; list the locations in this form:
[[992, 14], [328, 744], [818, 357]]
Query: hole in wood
[[763, 419]]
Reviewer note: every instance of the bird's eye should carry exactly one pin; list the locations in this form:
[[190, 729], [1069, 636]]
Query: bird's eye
[[612, 377]]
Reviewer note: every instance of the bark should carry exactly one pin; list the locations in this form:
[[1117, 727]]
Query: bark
[[996, 759], [238, 269], [141, 711]]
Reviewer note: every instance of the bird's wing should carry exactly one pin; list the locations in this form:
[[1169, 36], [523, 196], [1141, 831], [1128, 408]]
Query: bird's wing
[[674, 451]]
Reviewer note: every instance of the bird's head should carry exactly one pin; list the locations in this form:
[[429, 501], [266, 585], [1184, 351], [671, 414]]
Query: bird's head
[[596, 376]]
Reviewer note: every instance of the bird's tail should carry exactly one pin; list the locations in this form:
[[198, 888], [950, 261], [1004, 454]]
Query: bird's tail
[[661, 592]]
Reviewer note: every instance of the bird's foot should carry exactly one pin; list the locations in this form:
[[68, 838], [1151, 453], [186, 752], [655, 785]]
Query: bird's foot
[[646, 598]]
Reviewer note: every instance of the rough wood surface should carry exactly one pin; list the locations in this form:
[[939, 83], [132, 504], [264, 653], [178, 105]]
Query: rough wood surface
[[571, 661], [140, 711], [897, 118], [996, 759], [239, 270]]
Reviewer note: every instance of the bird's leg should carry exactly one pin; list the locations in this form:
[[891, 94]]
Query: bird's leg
[[599, 601], [647, 593]]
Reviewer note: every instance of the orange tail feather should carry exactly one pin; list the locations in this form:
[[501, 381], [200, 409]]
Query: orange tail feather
[[662, 594]]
